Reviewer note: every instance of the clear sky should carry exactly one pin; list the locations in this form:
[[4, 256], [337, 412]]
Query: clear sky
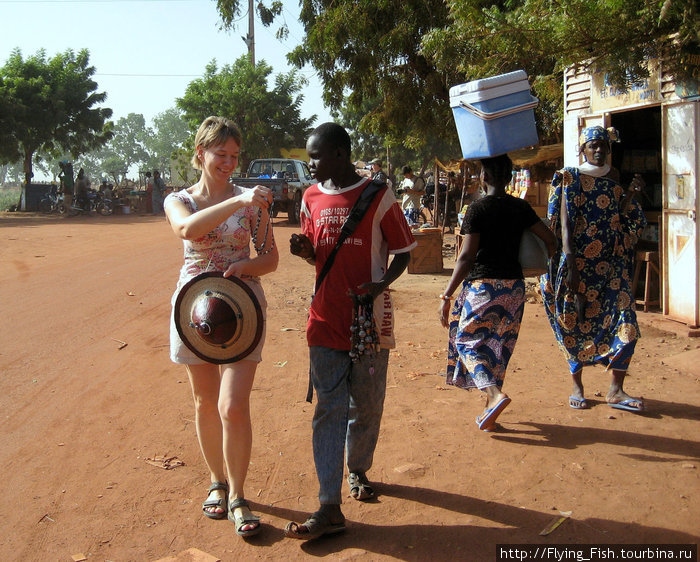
[[145, 52]]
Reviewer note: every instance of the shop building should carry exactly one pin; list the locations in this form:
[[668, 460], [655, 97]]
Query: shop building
[[658, 121]]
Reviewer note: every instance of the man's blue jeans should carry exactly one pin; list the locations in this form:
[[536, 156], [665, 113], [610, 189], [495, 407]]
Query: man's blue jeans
[[350, 402]]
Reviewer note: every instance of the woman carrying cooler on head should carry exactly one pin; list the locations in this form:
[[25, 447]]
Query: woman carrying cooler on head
[[587, 292], [216, 220], [492, 299]]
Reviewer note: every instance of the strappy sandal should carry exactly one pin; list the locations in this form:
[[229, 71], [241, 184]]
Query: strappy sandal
[[243, 517], [221, 502], [360, 488]]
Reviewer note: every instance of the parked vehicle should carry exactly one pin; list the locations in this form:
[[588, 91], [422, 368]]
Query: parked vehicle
[[103, 203], [95, 202], [287, 178], [52, 202]]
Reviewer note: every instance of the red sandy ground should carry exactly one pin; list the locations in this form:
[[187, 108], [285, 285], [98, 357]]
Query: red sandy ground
[[82, 413]]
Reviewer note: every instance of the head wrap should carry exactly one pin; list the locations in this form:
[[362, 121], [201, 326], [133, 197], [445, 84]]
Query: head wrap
[[598, 133]]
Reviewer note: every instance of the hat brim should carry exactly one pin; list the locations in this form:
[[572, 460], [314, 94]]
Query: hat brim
[[241, 299]]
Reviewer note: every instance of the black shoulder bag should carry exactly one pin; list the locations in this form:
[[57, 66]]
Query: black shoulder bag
[[356, 214]]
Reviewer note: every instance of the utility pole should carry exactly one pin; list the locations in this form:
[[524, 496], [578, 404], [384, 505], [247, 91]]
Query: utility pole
[[249, 39]]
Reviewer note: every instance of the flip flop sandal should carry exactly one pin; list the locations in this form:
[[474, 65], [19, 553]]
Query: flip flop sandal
[[360, 488], [627, 405], [487, 420], [221, 502], [243, 517], [578, 403], [317, 525]]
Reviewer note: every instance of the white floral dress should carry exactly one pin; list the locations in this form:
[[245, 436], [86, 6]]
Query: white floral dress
[[215, 251]]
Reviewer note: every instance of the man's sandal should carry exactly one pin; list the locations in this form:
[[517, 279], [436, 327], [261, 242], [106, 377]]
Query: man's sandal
[[221, 502], [317, 525], [360, 488], [239, 513]]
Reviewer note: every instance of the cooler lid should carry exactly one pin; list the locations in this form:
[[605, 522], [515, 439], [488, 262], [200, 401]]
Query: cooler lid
[[493, 87]]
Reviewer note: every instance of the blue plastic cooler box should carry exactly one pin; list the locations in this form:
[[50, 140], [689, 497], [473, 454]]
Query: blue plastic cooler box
[[494, 115]]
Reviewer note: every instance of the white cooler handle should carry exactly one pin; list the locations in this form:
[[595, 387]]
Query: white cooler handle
[[502, 113]]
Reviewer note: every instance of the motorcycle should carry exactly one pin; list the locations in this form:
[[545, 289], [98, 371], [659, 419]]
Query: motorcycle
[[93, 201], [52, 202], [103, 204]]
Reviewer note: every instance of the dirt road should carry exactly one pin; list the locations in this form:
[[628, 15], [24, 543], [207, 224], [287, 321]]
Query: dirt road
[[93, 410]]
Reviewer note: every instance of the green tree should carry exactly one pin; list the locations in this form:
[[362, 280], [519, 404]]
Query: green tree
[[403, 55], [169, 134], [544, 37], [129, 142], [369, 50], [231, 10], [268, 119], [48, 105], [125, 149]]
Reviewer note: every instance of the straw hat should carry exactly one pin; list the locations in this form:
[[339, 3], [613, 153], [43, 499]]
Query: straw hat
[[218, 318]]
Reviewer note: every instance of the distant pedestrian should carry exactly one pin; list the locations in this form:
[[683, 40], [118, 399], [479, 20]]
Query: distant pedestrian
[[65, 176], [158, 193], [148, 179], [413, 189], [378, 174], [81, 191]]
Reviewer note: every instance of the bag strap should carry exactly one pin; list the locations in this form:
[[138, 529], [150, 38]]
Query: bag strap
[[353, 219]]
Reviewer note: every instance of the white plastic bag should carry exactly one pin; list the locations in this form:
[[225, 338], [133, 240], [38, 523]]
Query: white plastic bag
[[533, 253]]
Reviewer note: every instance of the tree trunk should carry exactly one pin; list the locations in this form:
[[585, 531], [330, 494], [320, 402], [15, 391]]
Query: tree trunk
[[28, 173]]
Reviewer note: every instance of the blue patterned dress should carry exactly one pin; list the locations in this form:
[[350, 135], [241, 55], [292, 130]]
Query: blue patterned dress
[[484, 329], [604, 242]]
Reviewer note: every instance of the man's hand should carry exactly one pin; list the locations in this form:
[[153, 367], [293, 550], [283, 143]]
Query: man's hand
[[300, 245], [373, 291]]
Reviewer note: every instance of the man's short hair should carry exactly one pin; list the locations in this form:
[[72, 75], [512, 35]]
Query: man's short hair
[[334, 135], [406, 170]]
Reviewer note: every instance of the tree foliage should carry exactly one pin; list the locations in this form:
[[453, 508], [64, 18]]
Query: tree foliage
[[48, 105], [268, 119], [170, 133], [136, 145], [544, 37], [368, 50], [231, 10], [403, 55]]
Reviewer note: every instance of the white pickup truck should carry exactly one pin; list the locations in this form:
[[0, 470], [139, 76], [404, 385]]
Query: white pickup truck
[[287, 178]]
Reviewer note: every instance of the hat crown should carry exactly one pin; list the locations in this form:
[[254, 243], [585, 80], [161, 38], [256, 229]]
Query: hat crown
[[218, 318], [214, 319]]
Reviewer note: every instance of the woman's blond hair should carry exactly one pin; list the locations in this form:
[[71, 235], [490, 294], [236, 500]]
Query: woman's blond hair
[[214, 131]]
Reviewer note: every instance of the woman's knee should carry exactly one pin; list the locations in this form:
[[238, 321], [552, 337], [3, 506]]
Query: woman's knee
[[234, 410]]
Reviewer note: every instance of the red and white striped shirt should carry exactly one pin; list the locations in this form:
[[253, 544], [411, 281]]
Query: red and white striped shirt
[[362, 259]]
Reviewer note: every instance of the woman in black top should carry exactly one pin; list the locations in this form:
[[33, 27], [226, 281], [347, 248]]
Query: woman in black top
[[492, 299]]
